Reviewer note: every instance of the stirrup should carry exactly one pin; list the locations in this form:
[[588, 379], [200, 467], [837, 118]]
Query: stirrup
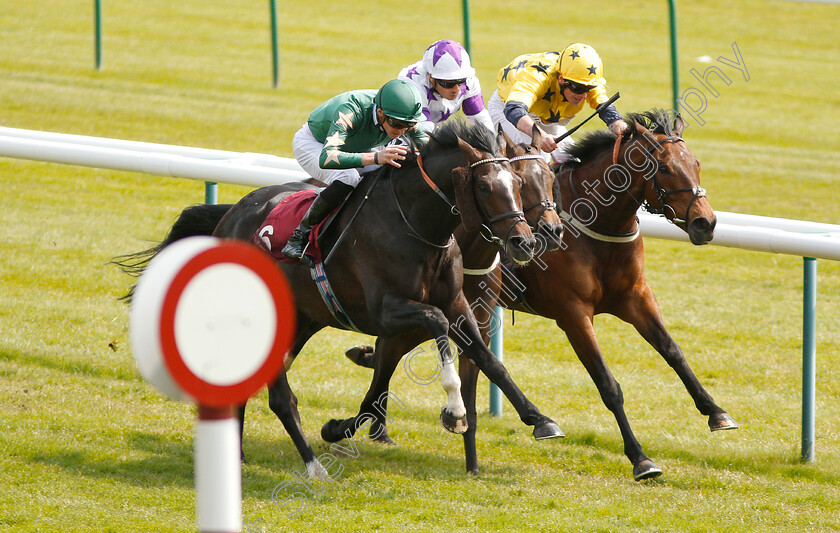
[[295, 245]]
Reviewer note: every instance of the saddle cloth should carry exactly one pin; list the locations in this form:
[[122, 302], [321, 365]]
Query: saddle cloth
[[279, 225], [276, 230]]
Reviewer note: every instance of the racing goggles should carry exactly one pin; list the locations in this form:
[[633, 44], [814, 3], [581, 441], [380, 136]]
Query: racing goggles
[[399, 124], [578, 88], [448, 84]]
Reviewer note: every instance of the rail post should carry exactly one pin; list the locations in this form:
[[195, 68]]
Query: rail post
[[97, 33], [809, 356], [497, 347], [275, 52]]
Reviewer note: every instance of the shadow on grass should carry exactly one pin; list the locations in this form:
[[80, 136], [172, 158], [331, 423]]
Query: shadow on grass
[[75, 367], [156, 461], [161, 463], [360, 455], [781, 465]]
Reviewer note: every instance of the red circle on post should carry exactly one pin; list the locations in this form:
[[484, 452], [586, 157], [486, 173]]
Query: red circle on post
[[256, 262]]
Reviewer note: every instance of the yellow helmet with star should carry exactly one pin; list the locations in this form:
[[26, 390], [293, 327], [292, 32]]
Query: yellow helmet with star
[[580, 63]]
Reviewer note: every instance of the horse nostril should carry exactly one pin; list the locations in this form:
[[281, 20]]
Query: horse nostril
[[701, 230], [701, 224], [552, 234], [524, 243]]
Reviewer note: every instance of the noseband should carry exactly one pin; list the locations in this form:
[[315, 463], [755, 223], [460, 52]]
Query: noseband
[[517, 216], [662, 193]]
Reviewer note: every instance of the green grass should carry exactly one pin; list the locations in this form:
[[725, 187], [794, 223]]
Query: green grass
[[86, 445]]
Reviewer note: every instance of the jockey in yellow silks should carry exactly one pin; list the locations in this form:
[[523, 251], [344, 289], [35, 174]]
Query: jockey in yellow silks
[[548, 89]]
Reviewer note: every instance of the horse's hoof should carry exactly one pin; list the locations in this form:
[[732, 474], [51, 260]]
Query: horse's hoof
[[453, 423], [384, 439], [331, 431], [361, 355], [722, 421], [548, 430], [646, 469]]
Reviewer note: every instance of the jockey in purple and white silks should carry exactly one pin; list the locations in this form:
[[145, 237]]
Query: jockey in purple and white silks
[[447, 83]]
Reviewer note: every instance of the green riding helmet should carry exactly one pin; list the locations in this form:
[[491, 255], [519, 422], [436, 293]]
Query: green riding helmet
[[401, 100]]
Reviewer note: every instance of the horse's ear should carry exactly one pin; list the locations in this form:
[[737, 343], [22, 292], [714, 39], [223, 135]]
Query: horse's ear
[[679, 125], [536, 138], [640, 130], [472, 154], [502, 146], [465, 198], [508, 144]]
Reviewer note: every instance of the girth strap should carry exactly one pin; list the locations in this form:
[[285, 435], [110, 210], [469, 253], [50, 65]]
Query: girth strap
[[483, 271], [320, 276], [599, 236]]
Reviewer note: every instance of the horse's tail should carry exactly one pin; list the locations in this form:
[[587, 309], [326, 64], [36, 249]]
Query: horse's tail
[[199, 219]]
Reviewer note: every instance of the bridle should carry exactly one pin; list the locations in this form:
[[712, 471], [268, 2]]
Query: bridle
[[485, 231], [546, 204], [662, 193]]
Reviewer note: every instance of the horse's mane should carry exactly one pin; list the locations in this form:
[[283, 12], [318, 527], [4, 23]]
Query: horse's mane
[[474, 134], [656, 120]]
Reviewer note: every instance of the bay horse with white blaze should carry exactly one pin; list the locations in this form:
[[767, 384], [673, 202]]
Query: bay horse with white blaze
[[396, 271]]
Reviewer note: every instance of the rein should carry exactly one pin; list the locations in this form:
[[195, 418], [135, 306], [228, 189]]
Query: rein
[[586, 230], [517, 215], [432, 185], [413, 231]]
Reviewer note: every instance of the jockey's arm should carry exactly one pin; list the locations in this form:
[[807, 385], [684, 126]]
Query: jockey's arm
[[483, 117], [517, 114]]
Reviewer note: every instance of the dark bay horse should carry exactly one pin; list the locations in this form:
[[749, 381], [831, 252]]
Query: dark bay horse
[[600, 266], [397, 271], [482, 275]]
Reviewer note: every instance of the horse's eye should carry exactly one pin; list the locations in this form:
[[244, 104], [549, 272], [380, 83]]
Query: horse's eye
[[664, 169], [483, 188]]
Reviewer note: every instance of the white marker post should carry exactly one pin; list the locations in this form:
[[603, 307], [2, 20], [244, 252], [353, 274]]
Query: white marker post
[[210, 322]]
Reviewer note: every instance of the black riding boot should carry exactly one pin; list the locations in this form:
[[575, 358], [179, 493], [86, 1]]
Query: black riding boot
[[325, 203]]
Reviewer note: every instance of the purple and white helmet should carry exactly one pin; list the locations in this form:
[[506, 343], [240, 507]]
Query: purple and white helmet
[[447, 60]]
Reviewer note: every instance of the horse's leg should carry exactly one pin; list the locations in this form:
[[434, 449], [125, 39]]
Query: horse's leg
[[378, 430], [283, 402], [466, 335], [644, 314], [241, 410], [396, 316], [469, 381], [581, 334], [374, 407], [468, 371], [361, 355]]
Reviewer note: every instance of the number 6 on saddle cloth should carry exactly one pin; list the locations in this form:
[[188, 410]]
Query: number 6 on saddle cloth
[[276, 230]]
